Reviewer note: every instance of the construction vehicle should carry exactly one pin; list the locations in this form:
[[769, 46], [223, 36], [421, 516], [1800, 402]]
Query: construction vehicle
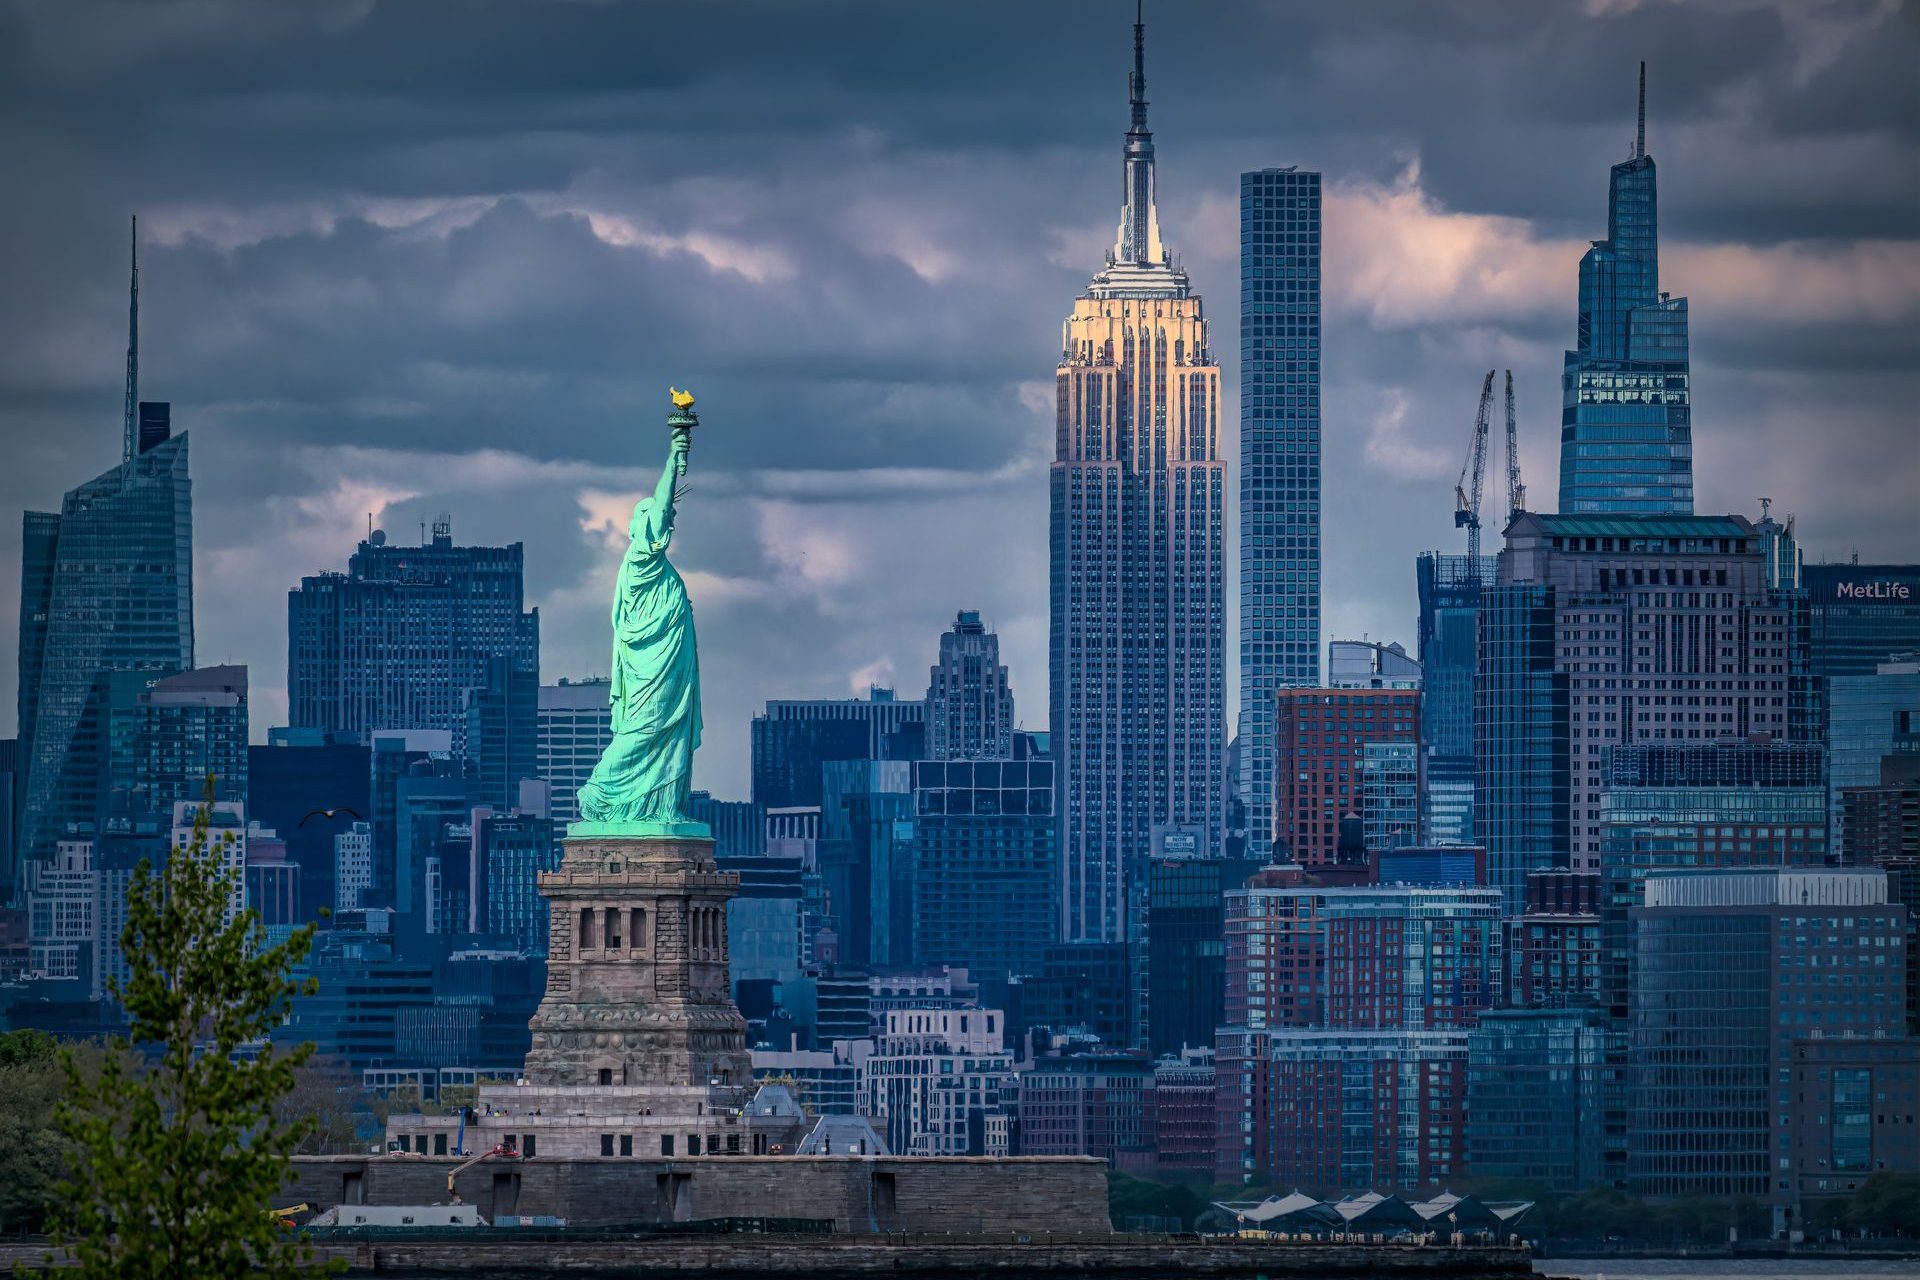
[[505, 1151]]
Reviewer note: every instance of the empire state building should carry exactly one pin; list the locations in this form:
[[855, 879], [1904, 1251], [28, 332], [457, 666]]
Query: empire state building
[[1138, 611]]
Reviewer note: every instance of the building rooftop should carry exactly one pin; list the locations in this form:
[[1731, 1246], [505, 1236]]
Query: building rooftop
[[1769, 887], [1647, 526]]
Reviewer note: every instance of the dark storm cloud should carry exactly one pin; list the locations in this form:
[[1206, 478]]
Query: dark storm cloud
[[412, 257]]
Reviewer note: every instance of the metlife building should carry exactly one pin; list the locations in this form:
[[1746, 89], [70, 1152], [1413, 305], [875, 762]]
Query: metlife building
[[1862, 615]]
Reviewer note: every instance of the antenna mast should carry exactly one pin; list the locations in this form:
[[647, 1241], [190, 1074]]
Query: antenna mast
[[131, 444], [1640, 134]]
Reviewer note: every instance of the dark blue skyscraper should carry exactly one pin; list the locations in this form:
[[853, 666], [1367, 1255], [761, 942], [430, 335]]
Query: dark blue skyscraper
[[1279, 464], [1626, 431], [985, 832], [984, 849], [164, 735], [117, 568], [1863, 614], [1522, 759], [106, 585], [398, 641], [1449, 589], [795, 737], [296, 773]]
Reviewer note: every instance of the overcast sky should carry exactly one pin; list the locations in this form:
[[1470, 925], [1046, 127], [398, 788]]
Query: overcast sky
[[400, 258]]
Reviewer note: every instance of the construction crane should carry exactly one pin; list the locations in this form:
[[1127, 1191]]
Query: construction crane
[[1516, 491], [1466, 508]]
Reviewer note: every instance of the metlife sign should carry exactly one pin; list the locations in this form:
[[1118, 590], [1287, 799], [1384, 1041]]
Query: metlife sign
[[1863, 614], [1878, 590], [1862, 583]]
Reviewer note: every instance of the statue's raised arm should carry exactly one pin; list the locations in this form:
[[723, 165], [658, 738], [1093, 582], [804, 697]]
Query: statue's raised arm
[[641, 785]]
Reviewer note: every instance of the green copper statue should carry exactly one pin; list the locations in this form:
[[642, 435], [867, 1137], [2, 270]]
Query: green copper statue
[[640, 786]]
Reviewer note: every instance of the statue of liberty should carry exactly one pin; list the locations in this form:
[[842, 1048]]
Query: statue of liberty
[[640, 786]]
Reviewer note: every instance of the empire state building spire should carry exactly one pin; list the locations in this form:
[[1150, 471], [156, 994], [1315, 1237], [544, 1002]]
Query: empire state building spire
[[1136, 613], [1139, 240]]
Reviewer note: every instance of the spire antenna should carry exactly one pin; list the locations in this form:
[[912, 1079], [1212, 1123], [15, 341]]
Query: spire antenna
[[1137, 83], [1640, 135], [131, 444]]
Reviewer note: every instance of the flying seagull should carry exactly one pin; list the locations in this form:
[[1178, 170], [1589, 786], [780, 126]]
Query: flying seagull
[[330, 813]]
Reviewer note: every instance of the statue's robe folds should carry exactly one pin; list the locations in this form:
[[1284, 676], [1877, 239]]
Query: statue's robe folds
[[646, 771]]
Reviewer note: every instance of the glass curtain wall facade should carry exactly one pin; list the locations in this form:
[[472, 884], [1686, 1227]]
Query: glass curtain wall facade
[[1279, 463], [1730, 968], [106, 585], [166, 734], [1863, 615], [1522, 793], [794, 738], [1626, 433], [1449, 590], [1547, 1099], [1186, 949], [986, 878], [1137, 609], [1390, 794], [512, 852], [1700, 808], [1865, 716]]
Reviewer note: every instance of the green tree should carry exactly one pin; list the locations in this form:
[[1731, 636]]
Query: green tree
[[1130, 1198], [27, 1047], [177, 1147], [32, 1153], [1887, 1204]]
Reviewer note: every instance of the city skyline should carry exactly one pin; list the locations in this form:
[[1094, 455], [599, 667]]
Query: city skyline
[[478, 399]]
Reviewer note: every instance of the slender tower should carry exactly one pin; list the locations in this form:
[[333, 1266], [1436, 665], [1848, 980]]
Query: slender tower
[[1137, 611], [1626, 435], [1279, 468], [131, 426]]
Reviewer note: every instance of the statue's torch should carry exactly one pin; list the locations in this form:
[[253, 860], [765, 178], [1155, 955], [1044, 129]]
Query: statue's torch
[[682, 420]]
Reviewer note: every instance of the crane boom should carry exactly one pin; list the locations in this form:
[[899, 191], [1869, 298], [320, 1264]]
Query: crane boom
[[1516, 491], [1466, 512], [504, 1151]]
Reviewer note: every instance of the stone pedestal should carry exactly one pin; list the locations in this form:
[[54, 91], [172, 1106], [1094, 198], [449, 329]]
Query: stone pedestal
[[638, 986]]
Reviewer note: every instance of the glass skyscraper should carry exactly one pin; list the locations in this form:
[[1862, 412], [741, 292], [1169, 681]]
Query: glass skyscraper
[[1863, 614], [984, 851], [1522, 806], [1279, 464], [794, 738], [1730, 969], [1449, 589], [1137, 609], [106, 585], [1626, 432], [1866, 715], [163, 736]]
